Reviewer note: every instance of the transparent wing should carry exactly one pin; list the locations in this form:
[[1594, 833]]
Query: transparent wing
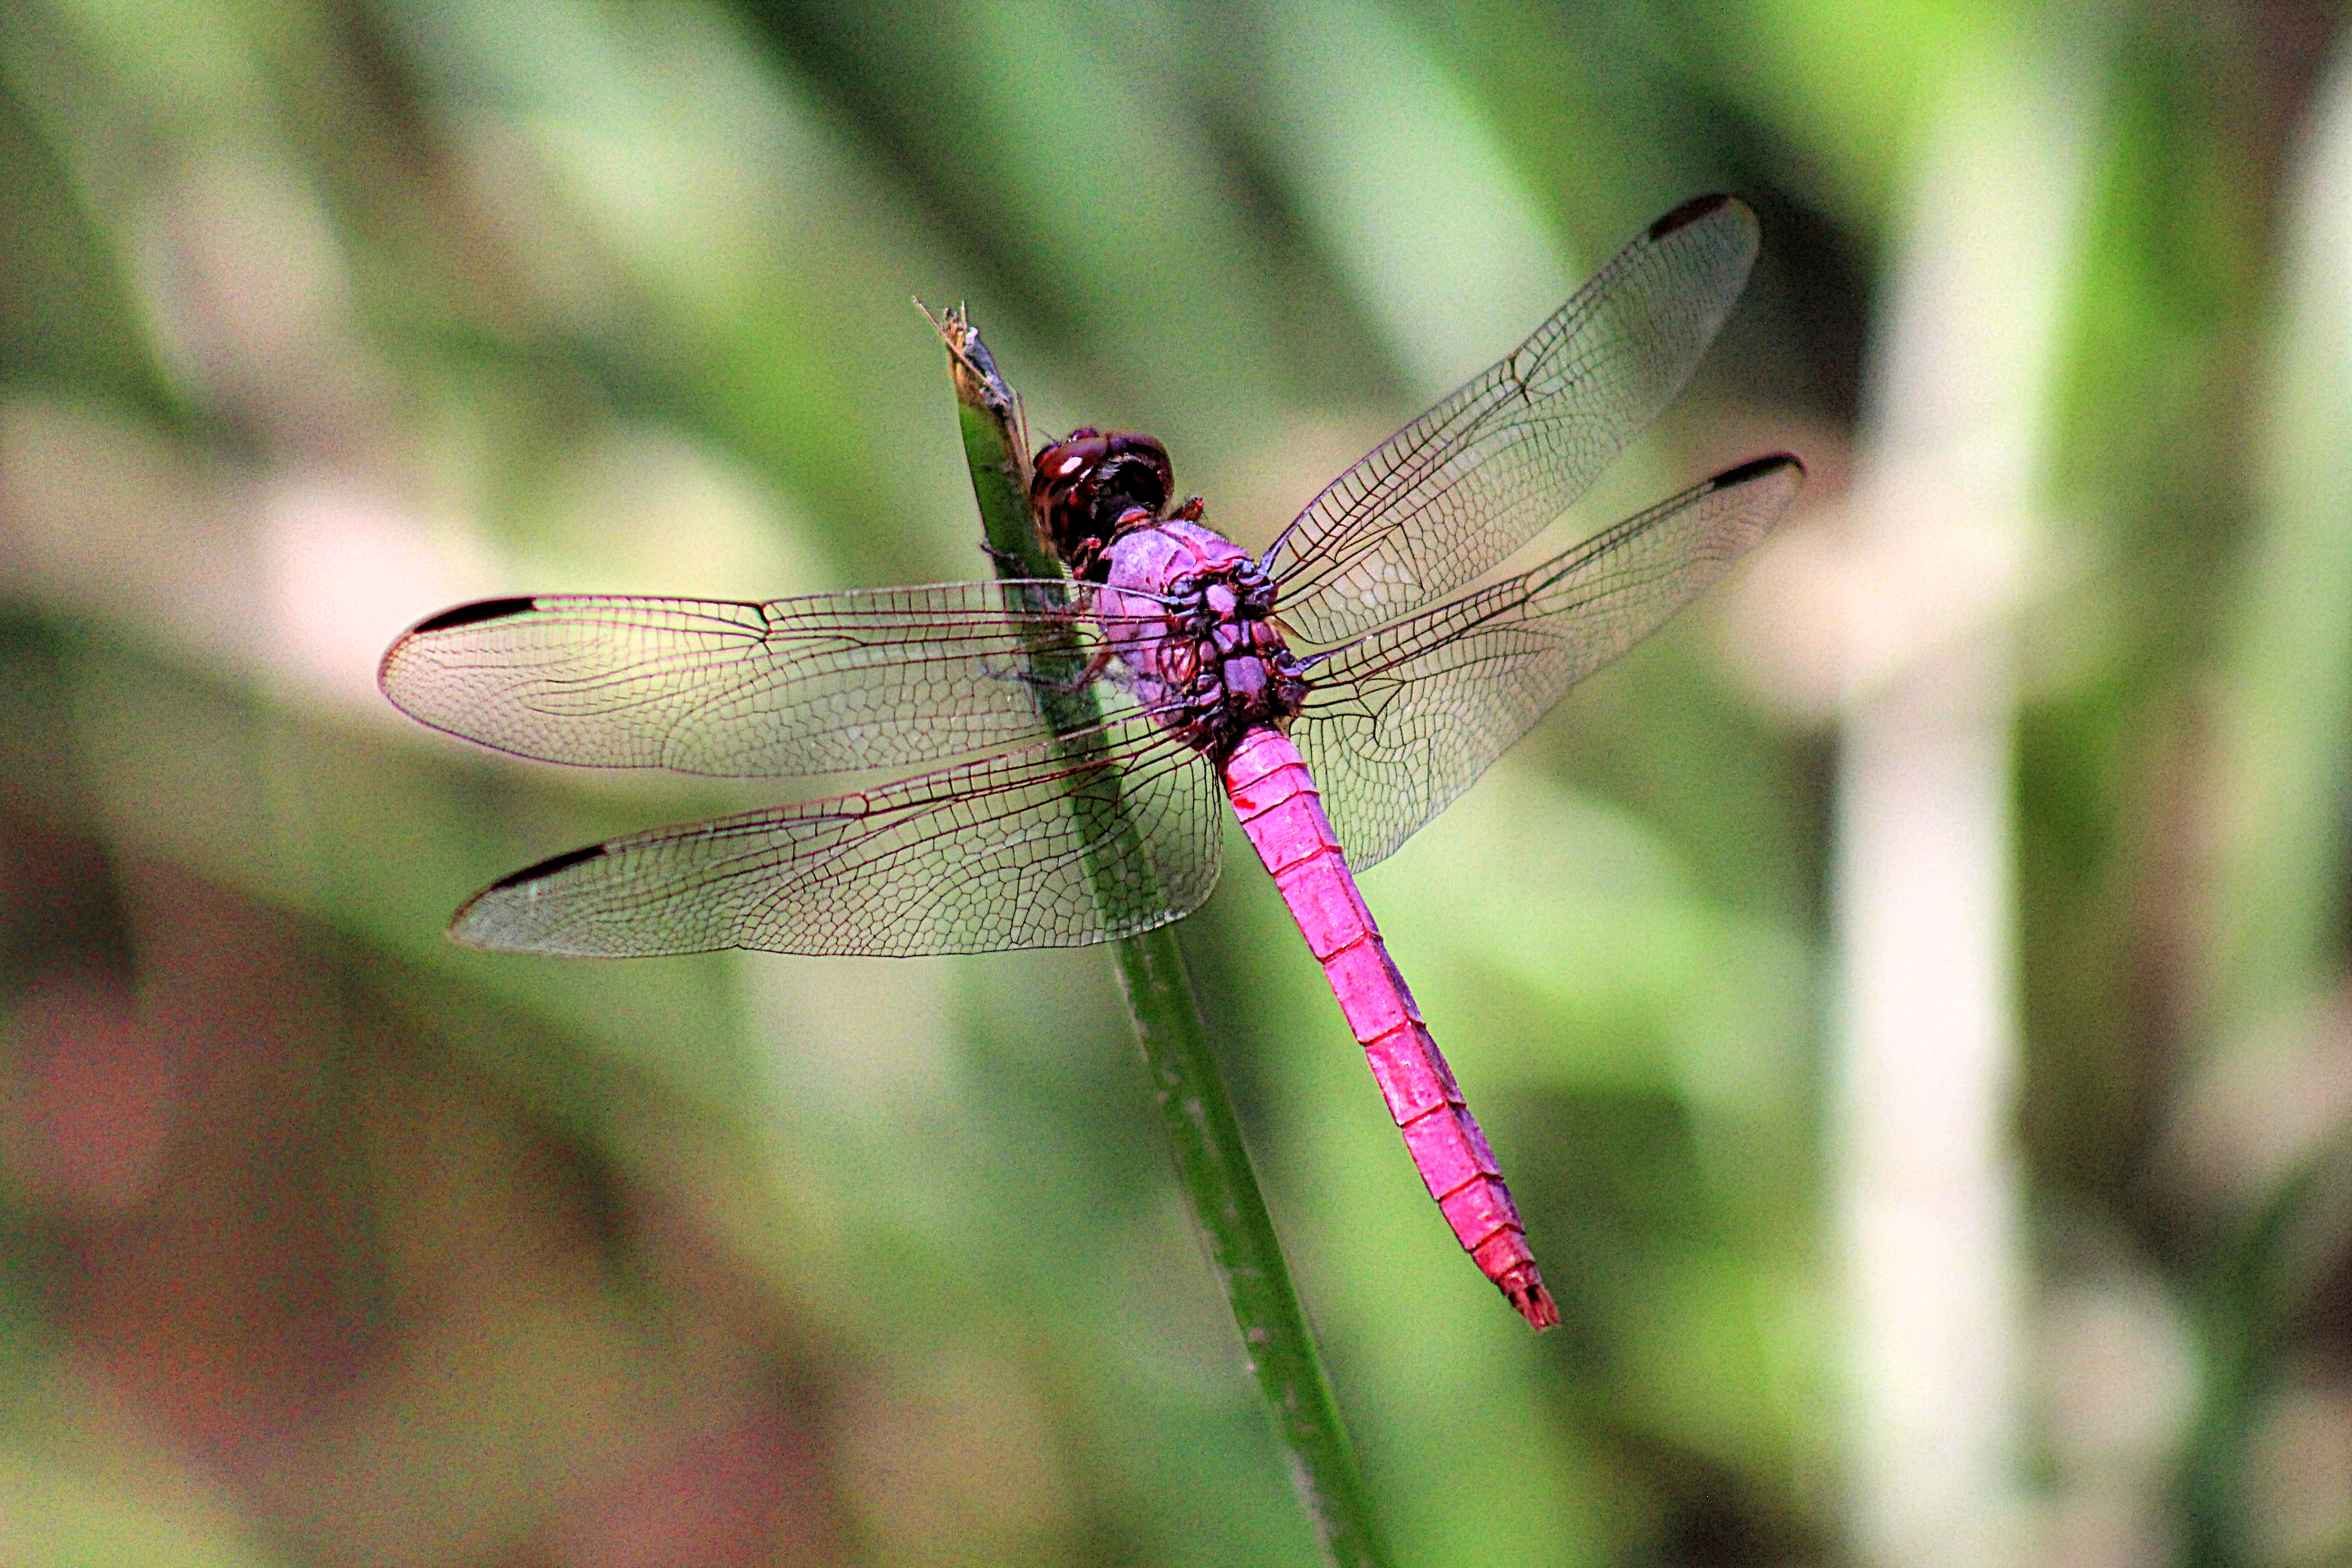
[[1452, 493], [1005, 852], [830, 683], [1400, 723]]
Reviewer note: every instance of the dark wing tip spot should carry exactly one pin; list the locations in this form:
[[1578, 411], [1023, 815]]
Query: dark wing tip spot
[[469, 615], [546, 867], [1756, 468], [1689, 213]]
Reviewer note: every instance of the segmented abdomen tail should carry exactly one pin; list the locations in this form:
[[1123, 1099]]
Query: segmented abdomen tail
[[1276, 797]]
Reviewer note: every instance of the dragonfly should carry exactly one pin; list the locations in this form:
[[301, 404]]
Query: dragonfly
[[1052, 757]]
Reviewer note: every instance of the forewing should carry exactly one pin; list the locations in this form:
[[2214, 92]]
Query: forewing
[[1400, 723], [830, 683], [1074, 841], [1452, 493]]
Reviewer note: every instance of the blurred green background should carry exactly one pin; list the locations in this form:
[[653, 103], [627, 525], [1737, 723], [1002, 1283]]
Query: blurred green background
[[327, 1242]]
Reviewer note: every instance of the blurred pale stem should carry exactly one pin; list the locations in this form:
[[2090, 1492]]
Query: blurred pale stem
[[2278, 794], [1210, 1159], [2284, 746], [1953, 444]]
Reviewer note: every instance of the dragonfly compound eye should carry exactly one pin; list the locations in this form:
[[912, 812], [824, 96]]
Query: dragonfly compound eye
[[1087, 484]]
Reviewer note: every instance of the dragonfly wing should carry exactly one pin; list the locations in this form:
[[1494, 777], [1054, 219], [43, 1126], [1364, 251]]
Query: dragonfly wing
[[1005, 852], [830, 683], [1400, 723], [1460, 487]]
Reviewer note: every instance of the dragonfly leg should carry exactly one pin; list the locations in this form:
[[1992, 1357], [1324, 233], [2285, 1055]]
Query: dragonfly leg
[[1093, 672], [1008, 562]]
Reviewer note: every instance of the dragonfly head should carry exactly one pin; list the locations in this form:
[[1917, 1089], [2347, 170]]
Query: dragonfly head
[[1086, 485]]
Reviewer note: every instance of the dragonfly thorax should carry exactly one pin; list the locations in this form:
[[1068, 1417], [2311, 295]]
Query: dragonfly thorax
[[1192, 614]]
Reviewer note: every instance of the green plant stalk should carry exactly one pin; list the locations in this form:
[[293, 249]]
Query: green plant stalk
[[2260, 1284], [1210, 1159]]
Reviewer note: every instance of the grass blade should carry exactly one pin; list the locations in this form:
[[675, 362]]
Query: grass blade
[[1211, 1161]]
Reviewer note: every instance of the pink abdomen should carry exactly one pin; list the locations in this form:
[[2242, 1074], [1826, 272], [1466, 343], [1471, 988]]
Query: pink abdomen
[[1280, 810]]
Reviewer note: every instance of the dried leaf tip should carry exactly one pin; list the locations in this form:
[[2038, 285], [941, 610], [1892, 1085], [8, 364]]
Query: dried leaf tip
[[978, 383]]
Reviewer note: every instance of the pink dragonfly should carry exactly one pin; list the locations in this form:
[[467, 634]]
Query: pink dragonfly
[[1071, 737]]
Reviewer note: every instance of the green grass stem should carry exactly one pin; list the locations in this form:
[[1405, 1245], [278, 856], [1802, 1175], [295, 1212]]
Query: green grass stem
[[1211, 1161]]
